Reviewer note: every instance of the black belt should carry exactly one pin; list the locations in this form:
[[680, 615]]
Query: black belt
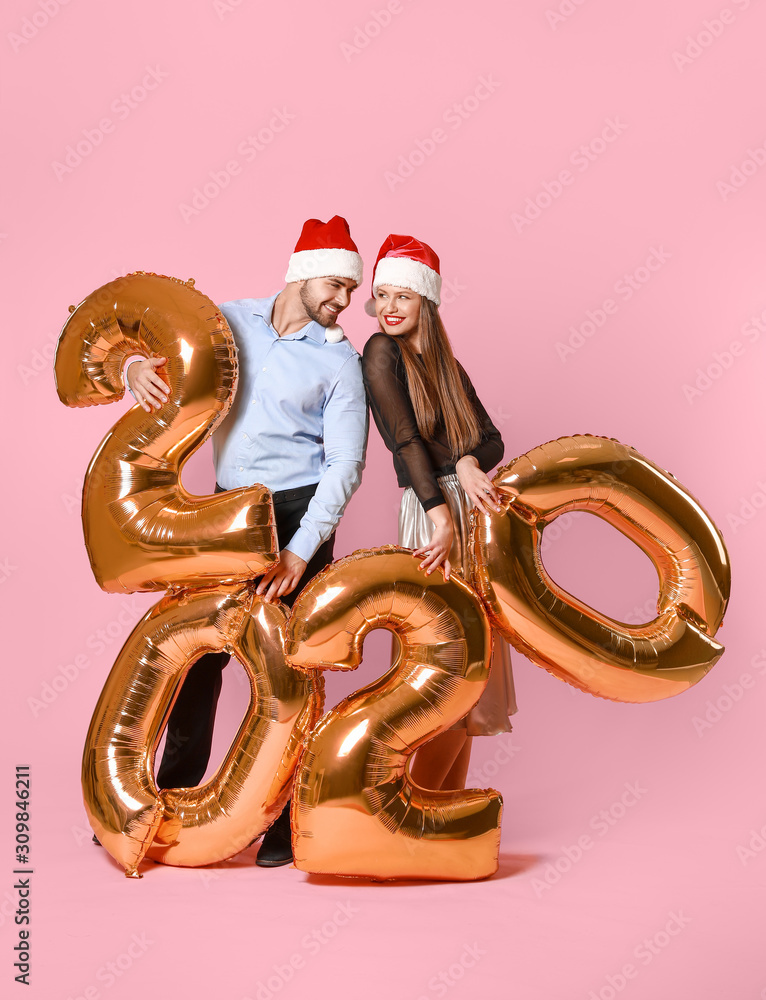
[[285, 496]]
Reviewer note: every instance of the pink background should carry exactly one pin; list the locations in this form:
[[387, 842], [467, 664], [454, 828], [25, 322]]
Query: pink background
[[356, 97]]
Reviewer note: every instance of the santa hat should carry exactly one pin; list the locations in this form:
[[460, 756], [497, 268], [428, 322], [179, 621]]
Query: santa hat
[[405, 262], [325, 249]]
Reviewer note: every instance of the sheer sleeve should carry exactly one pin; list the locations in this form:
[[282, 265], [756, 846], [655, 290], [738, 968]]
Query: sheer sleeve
[[393, 414], [489, 451]]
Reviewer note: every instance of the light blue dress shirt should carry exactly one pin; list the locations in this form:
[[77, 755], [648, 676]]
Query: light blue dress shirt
[[299, 417]]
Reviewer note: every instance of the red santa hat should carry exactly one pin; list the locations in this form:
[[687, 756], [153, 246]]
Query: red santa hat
[[325, 249], [405, 262]]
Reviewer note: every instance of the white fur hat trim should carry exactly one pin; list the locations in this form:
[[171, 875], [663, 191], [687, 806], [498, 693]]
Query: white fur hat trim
[[403, 272], [334, 334], [324, 263]]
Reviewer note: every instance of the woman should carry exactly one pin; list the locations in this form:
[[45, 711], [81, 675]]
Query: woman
[[443, 444]]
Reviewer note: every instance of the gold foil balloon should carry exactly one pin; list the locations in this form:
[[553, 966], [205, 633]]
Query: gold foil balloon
[[633, 663], [355, 810], [143, 531], [128, 813]]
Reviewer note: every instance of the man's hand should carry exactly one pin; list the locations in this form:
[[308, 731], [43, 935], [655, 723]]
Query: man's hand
[[148, 388], [283, 576]]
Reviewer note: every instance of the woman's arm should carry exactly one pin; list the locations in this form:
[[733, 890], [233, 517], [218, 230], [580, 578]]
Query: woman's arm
[[395, 418], [438, 549]]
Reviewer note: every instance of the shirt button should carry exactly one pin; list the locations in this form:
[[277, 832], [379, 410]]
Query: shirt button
[[241, 469], [263, 369], [244, 437]]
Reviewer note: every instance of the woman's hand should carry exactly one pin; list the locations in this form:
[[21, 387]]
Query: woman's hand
[[438, 549], [148, 388], [477, 485]]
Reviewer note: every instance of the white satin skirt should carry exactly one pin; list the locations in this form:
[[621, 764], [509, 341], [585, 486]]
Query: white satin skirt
[[490, 715]]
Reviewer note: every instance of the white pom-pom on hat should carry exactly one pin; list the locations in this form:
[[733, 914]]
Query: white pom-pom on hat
[[334, 334]]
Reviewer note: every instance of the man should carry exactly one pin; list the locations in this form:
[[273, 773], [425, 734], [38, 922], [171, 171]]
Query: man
[[298, 425]]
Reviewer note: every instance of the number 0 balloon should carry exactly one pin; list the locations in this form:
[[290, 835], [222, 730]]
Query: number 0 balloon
[[557, 631]]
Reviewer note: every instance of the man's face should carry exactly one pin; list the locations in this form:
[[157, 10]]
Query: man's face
[[324, 299]]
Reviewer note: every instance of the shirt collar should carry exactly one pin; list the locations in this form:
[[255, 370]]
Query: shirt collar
[[265, 309]]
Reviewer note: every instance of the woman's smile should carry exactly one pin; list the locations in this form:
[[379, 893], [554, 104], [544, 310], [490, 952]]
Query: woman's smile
[[398, 310]]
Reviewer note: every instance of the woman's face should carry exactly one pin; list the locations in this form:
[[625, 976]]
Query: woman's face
[[397, 309]]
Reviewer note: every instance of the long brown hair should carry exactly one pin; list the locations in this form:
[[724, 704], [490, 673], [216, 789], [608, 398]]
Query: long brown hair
[[436, 387]]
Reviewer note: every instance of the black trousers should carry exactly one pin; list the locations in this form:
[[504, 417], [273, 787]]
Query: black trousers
[[190, 726]]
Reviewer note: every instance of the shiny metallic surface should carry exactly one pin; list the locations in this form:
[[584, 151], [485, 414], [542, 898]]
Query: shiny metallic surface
[[131, 817], [608, 658], [355, 810], [143, 530]]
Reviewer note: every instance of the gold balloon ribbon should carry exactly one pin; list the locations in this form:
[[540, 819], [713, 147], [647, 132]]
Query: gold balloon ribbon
[[143, 531], [130, 816], [633, 663], [355, 810]]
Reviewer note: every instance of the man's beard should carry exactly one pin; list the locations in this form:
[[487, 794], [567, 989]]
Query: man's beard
[[313, 310]]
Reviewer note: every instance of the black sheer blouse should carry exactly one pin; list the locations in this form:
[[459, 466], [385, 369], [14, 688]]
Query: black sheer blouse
[[418, 462]]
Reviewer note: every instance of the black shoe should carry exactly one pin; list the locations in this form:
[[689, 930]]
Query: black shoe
[[277, 848]]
